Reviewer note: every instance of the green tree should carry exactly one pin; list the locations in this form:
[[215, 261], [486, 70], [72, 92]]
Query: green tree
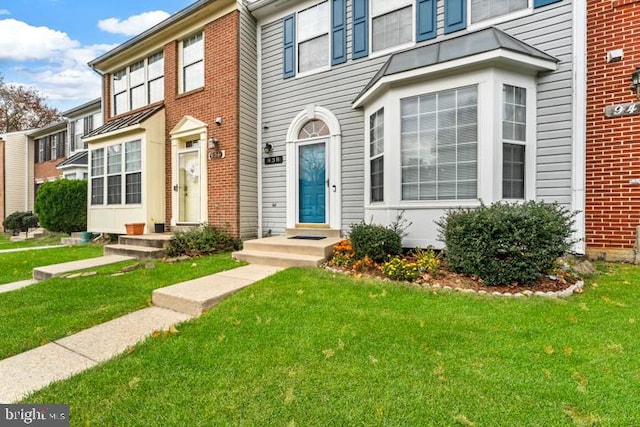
[[61, 205]]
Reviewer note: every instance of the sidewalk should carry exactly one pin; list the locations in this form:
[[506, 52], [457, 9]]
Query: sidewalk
[[35, 369]]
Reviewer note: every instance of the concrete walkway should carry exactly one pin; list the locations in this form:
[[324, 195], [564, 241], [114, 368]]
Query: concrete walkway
[[33, 248], [35, 369]]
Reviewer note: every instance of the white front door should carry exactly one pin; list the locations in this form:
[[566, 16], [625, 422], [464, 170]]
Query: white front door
[[188, 186]]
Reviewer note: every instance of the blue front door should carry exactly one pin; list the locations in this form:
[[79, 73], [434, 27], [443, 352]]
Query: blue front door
[[312, 186]]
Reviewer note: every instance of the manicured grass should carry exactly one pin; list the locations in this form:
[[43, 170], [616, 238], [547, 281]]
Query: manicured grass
[[19, 265], [58, 307], [307, 347], [6, 243]]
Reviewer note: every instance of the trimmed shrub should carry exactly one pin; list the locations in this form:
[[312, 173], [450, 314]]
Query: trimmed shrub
[[506, 243], [374, 241], [61, 205], [20, 222], [202, 241]]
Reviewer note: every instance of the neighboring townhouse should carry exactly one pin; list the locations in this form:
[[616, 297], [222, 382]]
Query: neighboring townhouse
[[178, 144], [16, 174], [80, 121], [613, 145], [48, 149], [369, 108]]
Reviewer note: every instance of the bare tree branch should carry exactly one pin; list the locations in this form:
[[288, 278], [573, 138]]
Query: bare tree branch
[[23, 108]]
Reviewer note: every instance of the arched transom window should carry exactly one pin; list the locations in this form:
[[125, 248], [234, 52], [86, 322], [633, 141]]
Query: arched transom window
[[313, 129]]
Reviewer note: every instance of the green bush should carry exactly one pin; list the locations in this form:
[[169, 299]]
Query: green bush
[[201, 241], [506, 243], [20, 222], [375, 241], [61, 205], [428, 260]]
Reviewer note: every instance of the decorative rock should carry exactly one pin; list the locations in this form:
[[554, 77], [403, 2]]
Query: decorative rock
[[482, 292], [129, 268], [527, 293], [496, 293], [539, 293], [436, 285], [447, 287], [518, 295], [584, 268]]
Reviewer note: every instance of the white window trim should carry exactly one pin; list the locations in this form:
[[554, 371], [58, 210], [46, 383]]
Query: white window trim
[[102, 176], [497, 19], [371, 158], [181, 65], [391, 49]]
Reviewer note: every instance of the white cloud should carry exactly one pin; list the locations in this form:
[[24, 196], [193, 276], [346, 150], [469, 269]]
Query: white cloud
[[4, 12], [50, 62], [23, 42], [133, 25]]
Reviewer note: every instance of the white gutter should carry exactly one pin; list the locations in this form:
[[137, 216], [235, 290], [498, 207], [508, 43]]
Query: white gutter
[[579, 122]]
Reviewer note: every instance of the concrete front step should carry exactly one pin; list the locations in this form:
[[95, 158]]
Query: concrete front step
[[278, 259], [288, 245], [71, 241], [42, 273], [199, 295], [134, 251], [149, 240]]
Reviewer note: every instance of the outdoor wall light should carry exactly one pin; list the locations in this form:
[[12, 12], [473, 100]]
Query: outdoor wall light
[[635, 82], [213, 143], [268, 148]]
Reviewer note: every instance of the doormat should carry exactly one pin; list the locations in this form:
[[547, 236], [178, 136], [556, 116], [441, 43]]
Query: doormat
[[307, 237]]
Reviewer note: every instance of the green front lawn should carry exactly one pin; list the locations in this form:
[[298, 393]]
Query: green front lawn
[[19, 266], [308, 347], [6, 243], [58, 307]]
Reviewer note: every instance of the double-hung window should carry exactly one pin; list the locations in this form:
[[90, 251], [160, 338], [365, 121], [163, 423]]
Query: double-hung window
[[391, 23], [439, 144], [155, 77], [133, 172], [54, 147], [514, 137], [313, 37], [482, 10], [136, 81], [192, 62], [114, 174], [120, 92], [78, 132], [376, 155], [138, 85], [97, 176]]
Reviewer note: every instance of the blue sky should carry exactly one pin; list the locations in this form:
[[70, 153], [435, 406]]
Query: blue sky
[[46, 44]]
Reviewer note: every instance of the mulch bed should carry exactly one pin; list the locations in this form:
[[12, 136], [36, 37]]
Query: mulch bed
[[558, 283]]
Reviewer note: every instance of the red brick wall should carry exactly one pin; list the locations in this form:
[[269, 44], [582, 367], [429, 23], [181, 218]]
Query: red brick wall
[[218, 98], [47, 170], [613, 144], [2, 213]]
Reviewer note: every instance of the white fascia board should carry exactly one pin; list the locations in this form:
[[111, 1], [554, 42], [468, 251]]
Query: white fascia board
[[109, 135]]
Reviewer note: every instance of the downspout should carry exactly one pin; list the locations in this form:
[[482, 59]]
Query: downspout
[[579, 123], [259, 125]]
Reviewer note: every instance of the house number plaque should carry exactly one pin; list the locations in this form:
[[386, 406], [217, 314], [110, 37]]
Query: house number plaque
[[620, 110], [273, 160]]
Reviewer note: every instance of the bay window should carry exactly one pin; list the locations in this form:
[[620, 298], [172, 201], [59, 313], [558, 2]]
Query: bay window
[[133, 172], [123, 174], [114, 177]]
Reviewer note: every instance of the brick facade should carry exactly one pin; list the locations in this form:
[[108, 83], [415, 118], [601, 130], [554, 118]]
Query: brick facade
[[612, 144], [218, 98]]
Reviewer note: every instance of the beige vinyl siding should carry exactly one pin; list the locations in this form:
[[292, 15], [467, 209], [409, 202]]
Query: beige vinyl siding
[[18, 173], [248, 123]]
